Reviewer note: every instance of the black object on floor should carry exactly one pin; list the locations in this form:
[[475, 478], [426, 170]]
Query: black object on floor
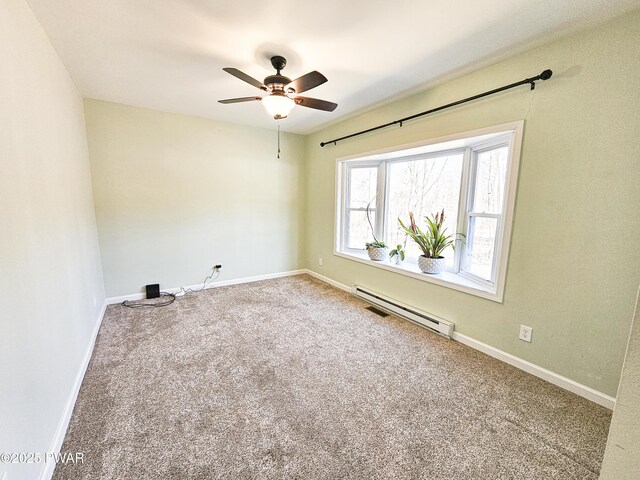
[[153, 291]]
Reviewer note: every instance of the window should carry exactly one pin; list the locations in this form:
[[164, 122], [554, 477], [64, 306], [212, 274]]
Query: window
[[418, 185], [362, 189], [471, 176]]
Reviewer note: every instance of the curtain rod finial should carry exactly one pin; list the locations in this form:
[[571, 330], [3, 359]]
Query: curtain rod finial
[[546, 74]]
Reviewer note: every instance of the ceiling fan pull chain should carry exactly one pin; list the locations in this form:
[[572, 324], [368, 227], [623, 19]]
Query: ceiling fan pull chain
[[278, 138]]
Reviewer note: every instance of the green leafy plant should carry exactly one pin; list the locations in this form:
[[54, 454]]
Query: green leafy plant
[[399, 250], [432, 241], [376, 243]]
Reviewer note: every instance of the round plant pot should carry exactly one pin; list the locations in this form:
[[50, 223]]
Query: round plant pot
[[431, 265], [378, 253]]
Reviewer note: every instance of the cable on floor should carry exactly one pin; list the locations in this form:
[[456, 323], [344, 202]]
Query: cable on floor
[[140, 304]]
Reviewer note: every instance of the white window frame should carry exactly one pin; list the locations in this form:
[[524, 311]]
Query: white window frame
[[456, 278], [344, 241], [493, 144]]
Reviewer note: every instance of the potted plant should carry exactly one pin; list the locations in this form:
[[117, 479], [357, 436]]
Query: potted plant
[[376, 250], [433, 241], [397, 254]]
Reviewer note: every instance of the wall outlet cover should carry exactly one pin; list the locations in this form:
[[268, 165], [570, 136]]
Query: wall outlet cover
[[320, 261], [526, 333]]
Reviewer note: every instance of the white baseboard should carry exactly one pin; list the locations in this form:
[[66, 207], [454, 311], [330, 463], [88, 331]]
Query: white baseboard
[[540, 372], [328, 280], [58, 439], [222, 283]]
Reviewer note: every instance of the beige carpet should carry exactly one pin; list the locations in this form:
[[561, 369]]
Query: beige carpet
[[291, 378]]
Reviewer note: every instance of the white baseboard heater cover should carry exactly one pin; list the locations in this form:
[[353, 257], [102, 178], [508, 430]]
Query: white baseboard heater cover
[[424, 319]]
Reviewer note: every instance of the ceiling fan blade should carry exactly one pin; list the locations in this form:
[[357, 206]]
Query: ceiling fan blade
[[307, 81], [315, 103], [238, 100], [244, 77]]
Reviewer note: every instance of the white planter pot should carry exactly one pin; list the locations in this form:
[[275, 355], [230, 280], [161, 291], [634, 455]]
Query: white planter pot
[[396, 259], [378, 253], [431, 265]]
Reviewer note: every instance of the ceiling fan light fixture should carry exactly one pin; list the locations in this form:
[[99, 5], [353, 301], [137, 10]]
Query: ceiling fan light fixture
[[278, 106]]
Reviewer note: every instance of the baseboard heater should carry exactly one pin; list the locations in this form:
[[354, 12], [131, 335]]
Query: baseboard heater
[[423, 319]]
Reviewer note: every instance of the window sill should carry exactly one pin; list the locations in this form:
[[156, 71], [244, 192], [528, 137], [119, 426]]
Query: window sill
[[444, 279]]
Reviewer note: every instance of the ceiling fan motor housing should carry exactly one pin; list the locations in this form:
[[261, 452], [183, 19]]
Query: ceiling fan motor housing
[[276, 82]]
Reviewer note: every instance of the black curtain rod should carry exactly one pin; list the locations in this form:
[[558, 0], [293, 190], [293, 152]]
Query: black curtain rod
[[545, 75]]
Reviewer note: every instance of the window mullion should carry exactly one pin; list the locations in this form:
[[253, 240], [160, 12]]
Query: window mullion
[[497, 245], [380, 203], [468, 251], [462, 225], [469, 223]]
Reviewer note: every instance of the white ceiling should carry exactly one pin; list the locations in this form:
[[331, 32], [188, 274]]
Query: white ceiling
[[168, 54]]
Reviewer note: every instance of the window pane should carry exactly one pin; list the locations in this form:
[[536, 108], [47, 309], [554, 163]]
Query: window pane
[[363, 186], [491, 174], [480, 246], [359, 229], [423, 187]]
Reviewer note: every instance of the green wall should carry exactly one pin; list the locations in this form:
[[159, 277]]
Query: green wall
[[574, 265], [176, 194]]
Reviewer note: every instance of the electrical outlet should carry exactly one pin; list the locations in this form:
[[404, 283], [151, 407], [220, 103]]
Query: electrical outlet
[[320, 261], [526, 333]]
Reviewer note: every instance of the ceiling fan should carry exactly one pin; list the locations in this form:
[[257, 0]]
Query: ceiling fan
[[282, 92]]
